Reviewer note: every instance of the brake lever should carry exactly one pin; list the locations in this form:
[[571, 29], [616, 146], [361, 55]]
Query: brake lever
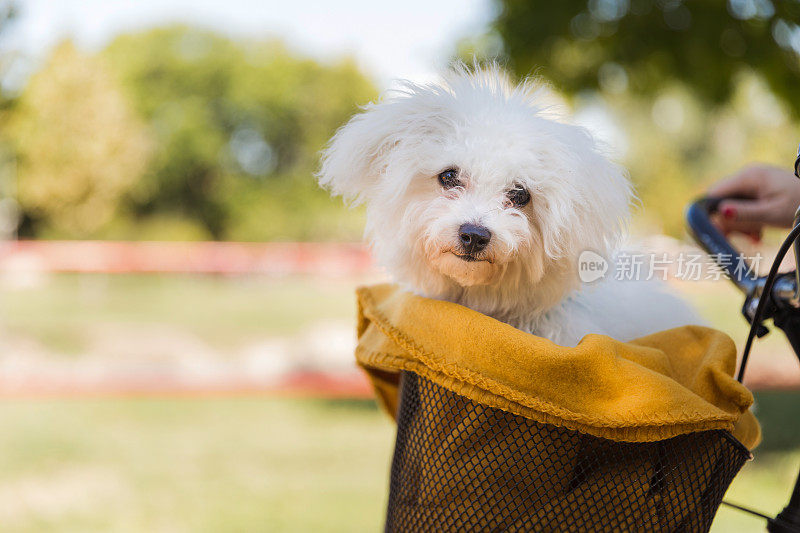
[[797, 163], [750, 305]]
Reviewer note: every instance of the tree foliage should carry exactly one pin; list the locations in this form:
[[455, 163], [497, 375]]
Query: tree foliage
[[237, 126], [8, 14], [79, 147], [580, 45], [181, 133]]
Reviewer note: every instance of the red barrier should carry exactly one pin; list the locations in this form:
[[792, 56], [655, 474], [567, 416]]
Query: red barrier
[[275, 259], [309, 384]]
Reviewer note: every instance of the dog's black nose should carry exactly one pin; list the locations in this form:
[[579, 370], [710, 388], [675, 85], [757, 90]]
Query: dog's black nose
[[473, 238]]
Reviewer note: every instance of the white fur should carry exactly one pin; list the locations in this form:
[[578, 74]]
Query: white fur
[[498, 135]]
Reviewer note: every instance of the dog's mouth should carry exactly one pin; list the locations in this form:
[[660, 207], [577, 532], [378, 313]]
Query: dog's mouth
[[467, 269], [469, 258]]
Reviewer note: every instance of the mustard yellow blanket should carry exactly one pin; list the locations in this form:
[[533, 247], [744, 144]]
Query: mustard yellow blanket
[[653, 388]]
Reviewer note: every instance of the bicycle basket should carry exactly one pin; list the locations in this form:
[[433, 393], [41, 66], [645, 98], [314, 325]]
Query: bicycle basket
[[647, 436]]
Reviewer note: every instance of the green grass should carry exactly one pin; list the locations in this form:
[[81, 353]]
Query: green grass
[[763, 485], [223, 464], [222, 311]]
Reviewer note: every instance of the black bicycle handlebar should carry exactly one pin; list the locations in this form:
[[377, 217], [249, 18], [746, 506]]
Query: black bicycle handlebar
[[735, 265], [698, 218]]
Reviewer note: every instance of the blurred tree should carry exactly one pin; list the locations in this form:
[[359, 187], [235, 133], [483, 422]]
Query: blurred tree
[[79, 147], [649, 44], [9, 208], [8, 13], [237, 128]]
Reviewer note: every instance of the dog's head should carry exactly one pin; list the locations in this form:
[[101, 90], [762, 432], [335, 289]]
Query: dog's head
[[473, 185]]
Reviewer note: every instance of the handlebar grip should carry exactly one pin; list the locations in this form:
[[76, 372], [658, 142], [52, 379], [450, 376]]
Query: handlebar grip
[[698, 218]]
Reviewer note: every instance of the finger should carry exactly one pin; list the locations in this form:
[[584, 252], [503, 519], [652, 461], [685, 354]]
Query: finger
[[745, 228], [728, 226], [755, 236], [746, 211], [746, 183]]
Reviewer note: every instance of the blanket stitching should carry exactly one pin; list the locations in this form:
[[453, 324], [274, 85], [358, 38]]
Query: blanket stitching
[[633, 433], [481, 382]]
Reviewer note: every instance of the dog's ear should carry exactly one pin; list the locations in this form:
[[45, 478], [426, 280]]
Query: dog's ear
[[589, 208], [606, 202], [356, 156]]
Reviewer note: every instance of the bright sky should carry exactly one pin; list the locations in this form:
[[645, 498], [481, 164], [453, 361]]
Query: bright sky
[[409, 39]]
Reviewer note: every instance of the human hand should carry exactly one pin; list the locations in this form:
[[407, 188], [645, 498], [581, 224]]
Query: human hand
[[764, 196]]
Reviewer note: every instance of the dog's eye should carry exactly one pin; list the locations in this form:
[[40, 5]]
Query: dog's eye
[[449, 178], [519, 196]]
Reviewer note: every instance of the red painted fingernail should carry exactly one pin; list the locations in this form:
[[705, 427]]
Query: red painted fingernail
[[729, 212]]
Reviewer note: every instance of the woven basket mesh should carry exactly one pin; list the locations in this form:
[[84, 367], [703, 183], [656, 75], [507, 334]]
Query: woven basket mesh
[[462, 466]]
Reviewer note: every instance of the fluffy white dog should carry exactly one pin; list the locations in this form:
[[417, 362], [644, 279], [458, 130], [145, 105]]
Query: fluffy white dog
[[478, 194]]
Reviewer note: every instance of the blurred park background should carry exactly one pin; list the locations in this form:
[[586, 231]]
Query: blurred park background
[[176, 293]]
